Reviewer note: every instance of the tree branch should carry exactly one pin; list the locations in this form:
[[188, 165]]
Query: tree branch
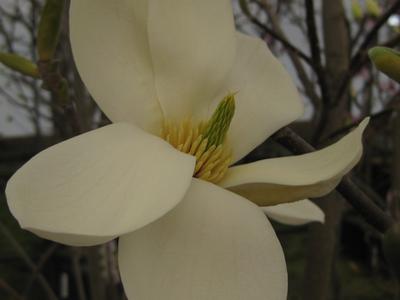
[[315, 49], [24, 256], [10, 290], [42, 261]]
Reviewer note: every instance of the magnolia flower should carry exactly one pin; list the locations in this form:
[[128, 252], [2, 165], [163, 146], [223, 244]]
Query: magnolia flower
[[158, 177]]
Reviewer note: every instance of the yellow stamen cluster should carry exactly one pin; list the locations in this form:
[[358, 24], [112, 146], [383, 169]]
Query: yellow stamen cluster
[[212, 161]]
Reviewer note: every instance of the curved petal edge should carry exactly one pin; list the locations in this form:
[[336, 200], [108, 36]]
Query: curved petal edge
[[96, 186], [213, 245], [295, 213], [266, 100], [287, 179]]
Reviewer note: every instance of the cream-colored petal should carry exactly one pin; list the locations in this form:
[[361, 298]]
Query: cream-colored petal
[[111, 50], [295, 213], [96, 186], [266, 98], [287, 179], [213, 245], [192, 44]]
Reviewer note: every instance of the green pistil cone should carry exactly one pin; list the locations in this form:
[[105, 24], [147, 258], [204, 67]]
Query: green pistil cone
[[387, 61], [220, 121]]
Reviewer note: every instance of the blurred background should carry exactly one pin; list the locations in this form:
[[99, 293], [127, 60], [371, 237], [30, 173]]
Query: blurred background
[[323, 44]]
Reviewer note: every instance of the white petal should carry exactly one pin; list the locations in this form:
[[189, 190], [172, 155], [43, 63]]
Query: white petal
[[96, 186], [111, 50], [213, 245], [295, 213], [192, 44], [267, 98], [286, 179]]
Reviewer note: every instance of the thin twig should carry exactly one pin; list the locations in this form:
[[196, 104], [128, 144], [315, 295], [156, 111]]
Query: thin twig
[[298, 65], [361, 29], [277, 36], [42, 261], [76, 255], [10, 290], [373, 32], [384, 113], [28, 261]]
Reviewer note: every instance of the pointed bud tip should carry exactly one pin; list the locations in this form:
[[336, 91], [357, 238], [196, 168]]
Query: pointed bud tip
[[230, 99], [357, 10], [19, 64], [373, 8], [218, 125], [380, 52], [387, 61], [373, 53]]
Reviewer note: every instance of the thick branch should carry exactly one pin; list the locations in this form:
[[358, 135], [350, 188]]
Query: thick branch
[[354, 195], [315, 49]]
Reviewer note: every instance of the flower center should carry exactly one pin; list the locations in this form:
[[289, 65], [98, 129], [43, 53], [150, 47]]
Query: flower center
[[205, 140]]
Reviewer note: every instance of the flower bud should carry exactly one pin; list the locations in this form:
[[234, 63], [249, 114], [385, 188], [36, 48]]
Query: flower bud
[[49, 29], [387, 61], [19, 64], [357, 10], [373, 8]]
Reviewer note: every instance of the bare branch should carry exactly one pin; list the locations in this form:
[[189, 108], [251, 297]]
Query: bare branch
[[315, 50], [28, 261], [10, 290]]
